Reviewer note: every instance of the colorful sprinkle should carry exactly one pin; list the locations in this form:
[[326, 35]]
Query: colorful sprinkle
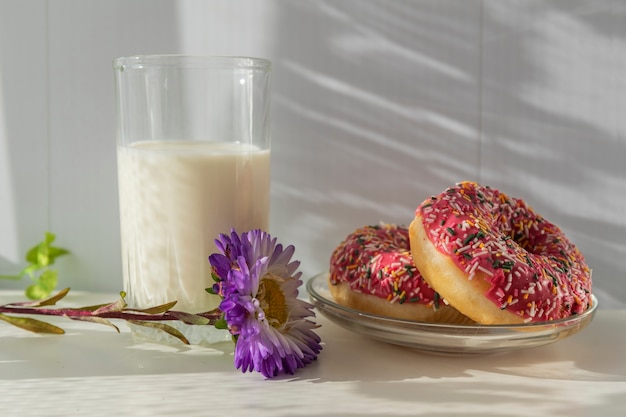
[[381, 254], [519, 253]]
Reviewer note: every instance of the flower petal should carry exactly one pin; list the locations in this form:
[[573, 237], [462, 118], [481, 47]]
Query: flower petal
[[281, 346]]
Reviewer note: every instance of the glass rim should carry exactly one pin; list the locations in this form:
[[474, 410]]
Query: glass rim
[[191, 61]]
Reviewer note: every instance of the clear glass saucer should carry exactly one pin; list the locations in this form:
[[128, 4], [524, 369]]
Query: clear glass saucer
[[445, 338]]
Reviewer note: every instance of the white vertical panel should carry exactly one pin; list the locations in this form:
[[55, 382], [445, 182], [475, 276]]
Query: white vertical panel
[[227, 27], [84, 38], [609, 242], [23, 131], [549, 121], [618, 26]]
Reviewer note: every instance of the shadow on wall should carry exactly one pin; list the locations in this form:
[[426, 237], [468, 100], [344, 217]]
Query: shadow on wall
[[376, 107], [550, 123], [380, 104]]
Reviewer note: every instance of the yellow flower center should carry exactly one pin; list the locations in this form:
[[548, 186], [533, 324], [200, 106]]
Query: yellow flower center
[[272, 300]]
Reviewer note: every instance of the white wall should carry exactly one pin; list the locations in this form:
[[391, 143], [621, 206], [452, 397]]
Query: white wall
[[376, 104]]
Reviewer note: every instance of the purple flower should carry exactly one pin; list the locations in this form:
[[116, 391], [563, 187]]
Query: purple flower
[[259, 284]]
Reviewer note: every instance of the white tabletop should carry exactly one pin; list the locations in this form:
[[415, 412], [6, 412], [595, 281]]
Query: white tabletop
[[93, 371]]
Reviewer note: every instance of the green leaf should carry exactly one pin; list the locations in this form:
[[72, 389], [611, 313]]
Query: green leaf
[[32, 325], [99, 306], [118, 305], [43, 254], [221, 324], [57, 297], [50, 301], [54, 253], [158, 309], [44, 286], [188, 318], [99, 320], [35, 292], [164, 327], [48, 280], [39, 258], [32, 256]]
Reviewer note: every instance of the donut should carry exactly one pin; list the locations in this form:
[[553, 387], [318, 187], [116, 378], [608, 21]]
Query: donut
[[372, 270], [496, 260]]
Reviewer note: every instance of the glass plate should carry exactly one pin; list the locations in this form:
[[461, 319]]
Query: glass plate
[[444, 338]]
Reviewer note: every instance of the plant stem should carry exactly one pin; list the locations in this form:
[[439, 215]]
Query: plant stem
[[11, 277], [126, 314]]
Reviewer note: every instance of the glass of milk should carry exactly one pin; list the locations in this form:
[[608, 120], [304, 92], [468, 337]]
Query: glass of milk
[[193, 150]]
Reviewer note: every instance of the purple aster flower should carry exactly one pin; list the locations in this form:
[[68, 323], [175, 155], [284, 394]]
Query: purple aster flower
[[259, 284]]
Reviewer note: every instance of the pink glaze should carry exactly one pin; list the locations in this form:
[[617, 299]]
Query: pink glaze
[[376, 260], [533, 269]]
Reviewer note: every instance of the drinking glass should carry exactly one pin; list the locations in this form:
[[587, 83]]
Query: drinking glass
[[193, 154]]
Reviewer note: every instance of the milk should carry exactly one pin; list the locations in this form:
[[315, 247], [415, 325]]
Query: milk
[[176, 197]]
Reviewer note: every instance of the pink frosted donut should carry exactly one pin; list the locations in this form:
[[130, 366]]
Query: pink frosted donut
[[496, 260], [372, 270]]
